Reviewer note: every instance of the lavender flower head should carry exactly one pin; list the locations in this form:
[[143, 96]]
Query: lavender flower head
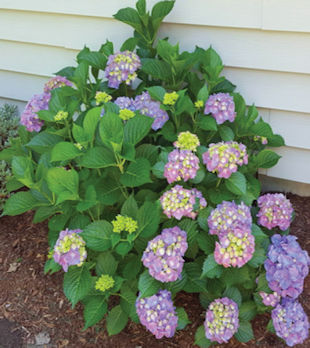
[[227, 216], [164, 254], [270, 299], [56, 82], [222, 320], [287, 265], [158, 314], [29, 117], [151, 108], [235, 248], [275, 210], [183, 164], [125, 103], [70, 249], [224, 158], [290, 322], [122, 67], [222, 107], [179, 202]]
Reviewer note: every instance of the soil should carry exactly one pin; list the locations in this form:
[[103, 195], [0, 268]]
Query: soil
[[32, 303]]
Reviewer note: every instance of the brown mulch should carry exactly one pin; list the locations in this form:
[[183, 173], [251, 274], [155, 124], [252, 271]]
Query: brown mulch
[[31, 302]]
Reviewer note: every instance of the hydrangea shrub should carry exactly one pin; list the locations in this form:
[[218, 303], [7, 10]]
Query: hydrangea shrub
[[143, 160]]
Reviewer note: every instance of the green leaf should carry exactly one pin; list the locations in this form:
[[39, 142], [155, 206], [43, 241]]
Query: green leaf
[[160, 11], [109, 191], [276, 141], [207, 123], [44, 213], [194, 282], [182, 318], [267, 159], [116, 320], [19, 203], [106, 264], [137, 173], [148, 218], [111, 129], [210, 268], [95, 59], [247, 311], [23, 170], [156, 68], [98, 235], [64, 151], [130, 207], [236, 183], [137, 128], [132, 267], [262, 129], [226, 133], [158, 170], [157, 92], [79, 134], [245, 332], [130, 16], [234, 294], [77, 283], [90, 122], [81, 74], [123, 248], [178, 285], [64, 183], [130, 44], [168, 52], [98, 157], [206, 242], [43, 142], [148, 151], [270, 327], [94, 310], [200, 338], [147, 285], [203, 94], [258, 257]]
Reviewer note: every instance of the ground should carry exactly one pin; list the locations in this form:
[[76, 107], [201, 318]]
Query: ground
[[32, 303]]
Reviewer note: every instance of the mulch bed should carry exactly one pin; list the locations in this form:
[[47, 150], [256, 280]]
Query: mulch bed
[[31, 302]]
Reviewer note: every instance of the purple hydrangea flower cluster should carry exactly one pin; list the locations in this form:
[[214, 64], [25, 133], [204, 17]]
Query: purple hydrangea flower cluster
[[158, 314], [224, 158], [70, 249], [164, 254], [125, 103], [179, 202], [270, 299], [151, 108], [235, 248], [290, 322], [29, 117], [222, 107], [56, 82], [222, 320], [122, 67], [275, 210], [286, 266], [227, 216], [183, 164]]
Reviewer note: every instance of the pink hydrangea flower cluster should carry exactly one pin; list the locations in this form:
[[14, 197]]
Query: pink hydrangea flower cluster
[[122, 67], [157, 313], [29, 117], [287, 265], [227, 216], [56, 82], [235, 248], [290, 322], [275, 210], [164, 254], [179, 202], [222, 320], [222, 107], [270, 299], [70, 249], [224, 158], [182, 165]]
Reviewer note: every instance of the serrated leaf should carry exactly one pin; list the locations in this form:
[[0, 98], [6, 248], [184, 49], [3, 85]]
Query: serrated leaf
[[182, 318], [148, 151], [157, 92], [234, 294], [148, 218], [116, 320], [194, 282], [94, 310], [77, 283], [226, 133], [247, 311], [207, 123], [200, 338], [43, 142], [236, 183], [156, 68], [98, 235], [137, 128], [51, 267], [267, 159], [258, 257], [98, 157], [106, 264], [137, 173], [64, 151], [203, 94], [91, 120], [131, 17], [19, 203], [147, 285], [245, 332], [210, 268], [130, 207]]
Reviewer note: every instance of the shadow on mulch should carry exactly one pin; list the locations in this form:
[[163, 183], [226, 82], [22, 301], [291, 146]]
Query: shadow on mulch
[[36, 303]]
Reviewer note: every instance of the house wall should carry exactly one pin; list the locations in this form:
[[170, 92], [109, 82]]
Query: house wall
[[265, 45]]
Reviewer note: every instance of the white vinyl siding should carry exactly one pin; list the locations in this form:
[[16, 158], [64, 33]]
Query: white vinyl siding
[[264, 44]]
